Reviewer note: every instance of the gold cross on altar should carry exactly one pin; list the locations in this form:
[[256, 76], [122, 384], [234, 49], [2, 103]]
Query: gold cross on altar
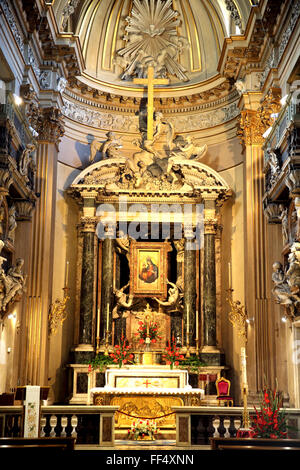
[[149, 82]]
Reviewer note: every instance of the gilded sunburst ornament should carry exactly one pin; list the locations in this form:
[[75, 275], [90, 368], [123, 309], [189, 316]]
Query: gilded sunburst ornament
[[152, 39]]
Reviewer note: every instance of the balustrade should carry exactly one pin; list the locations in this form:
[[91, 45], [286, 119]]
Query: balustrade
[[11, 418], [206, 422], [94, 425]]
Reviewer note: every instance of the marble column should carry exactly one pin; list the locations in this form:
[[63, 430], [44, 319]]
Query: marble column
[[39, 295], [85, 348], [87, 286], [189, 292], [209, 290], [210, 353], [107, 285]]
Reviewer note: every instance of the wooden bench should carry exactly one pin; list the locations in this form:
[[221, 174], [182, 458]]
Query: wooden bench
[[234, 443], [57, 443]]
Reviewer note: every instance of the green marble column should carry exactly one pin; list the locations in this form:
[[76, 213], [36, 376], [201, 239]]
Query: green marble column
[[189, 293], [107, 286], [209, 290], [210, 353], [87, 289]]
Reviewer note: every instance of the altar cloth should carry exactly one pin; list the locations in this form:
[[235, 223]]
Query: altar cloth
[[148, 391]]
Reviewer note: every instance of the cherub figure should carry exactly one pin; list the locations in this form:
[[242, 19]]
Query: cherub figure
[[174, 297], [122, 300]]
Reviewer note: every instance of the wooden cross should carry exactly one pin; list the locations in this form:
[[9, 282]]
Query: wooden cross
[[147, 383], [149, 82]]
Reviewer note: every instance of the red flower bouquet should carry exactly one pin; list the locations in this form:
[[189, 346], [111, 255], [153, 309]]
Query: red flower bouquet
[[152, 332], [172, 355], [122, 354], [270, 421]]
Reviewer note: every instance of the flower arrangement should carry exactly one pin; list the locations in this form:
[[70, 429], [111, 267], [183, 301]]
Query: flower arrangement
[[142, 428], [122, 354], [270, 421], [152, 328], [172, 355]]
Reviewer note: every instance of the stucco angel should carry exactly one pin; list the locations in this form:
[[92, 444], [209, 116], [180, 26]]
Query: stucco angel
[[122, 300]]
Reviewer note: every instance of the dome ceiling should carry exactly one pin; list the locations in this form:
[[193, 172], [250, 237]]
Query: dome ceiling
[[182, 38]]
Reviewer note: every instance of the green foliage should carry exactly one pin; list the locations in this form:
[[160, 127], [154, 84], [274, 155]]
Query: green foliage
[[101, 361], [192, 363]]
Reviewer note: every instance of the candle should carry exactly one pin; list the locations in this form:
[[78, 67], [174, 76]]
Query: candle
[[67, 274], [88, 401], [187, 320], [229, 276], [98, 322], [243, 362], [107, 318]]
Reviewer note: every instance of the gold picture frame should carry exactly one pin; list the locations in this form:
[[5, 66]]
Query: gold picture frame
[[148, 269]]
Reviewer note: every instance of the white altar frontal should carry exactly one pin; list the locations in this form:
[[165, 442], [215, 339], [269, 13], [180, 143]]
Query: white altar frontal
[[147, 393]]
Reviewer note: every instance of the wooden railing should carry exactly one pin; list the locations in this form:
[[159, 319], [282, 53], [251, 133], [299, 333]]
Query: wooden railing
[[196, 425]]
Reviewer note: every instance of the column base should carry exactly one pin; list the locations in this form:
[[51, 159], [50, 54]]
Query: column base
[[82, 354], [212, 356]]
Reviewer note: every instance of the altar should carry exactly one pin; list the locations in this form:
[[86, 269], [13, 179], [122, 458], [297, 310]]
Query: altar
[[146, 393]]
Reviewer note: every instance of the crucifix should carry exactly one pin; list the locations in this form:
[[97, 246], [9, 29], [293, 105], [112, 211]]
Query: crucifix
[[149, 82]]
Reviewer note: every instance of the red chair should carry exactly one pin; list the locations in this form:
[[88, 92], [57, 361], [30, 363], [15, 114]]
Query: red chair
[[223, 389]]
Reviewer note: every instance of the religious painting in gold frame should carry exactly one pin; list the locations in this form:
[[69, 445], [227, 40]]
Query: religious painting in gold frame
[[148, 269]]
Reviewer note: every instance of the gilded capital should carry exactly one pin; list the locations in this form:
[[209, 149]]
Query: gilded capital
[[251, 128], [254, 123], [49, 124], [210, 225], [88, 224]]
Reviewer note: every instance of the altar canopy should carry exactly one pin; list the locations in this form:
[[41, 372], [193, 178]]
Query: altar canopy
[[148, 234]]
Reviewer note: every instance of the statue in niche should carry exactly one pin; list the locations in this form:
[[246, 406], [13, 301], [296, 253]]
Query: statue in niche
[[273, 164], [282, 290], [110, 148], [12, 224], [27, 161], [293, 272], [12, 284], [3, 222], [123, 300], [284, 221]]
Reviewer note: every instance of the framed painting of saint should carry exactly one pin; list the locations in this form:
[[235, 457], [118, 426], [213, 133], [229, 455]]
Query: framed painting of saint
[[148, 269]]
